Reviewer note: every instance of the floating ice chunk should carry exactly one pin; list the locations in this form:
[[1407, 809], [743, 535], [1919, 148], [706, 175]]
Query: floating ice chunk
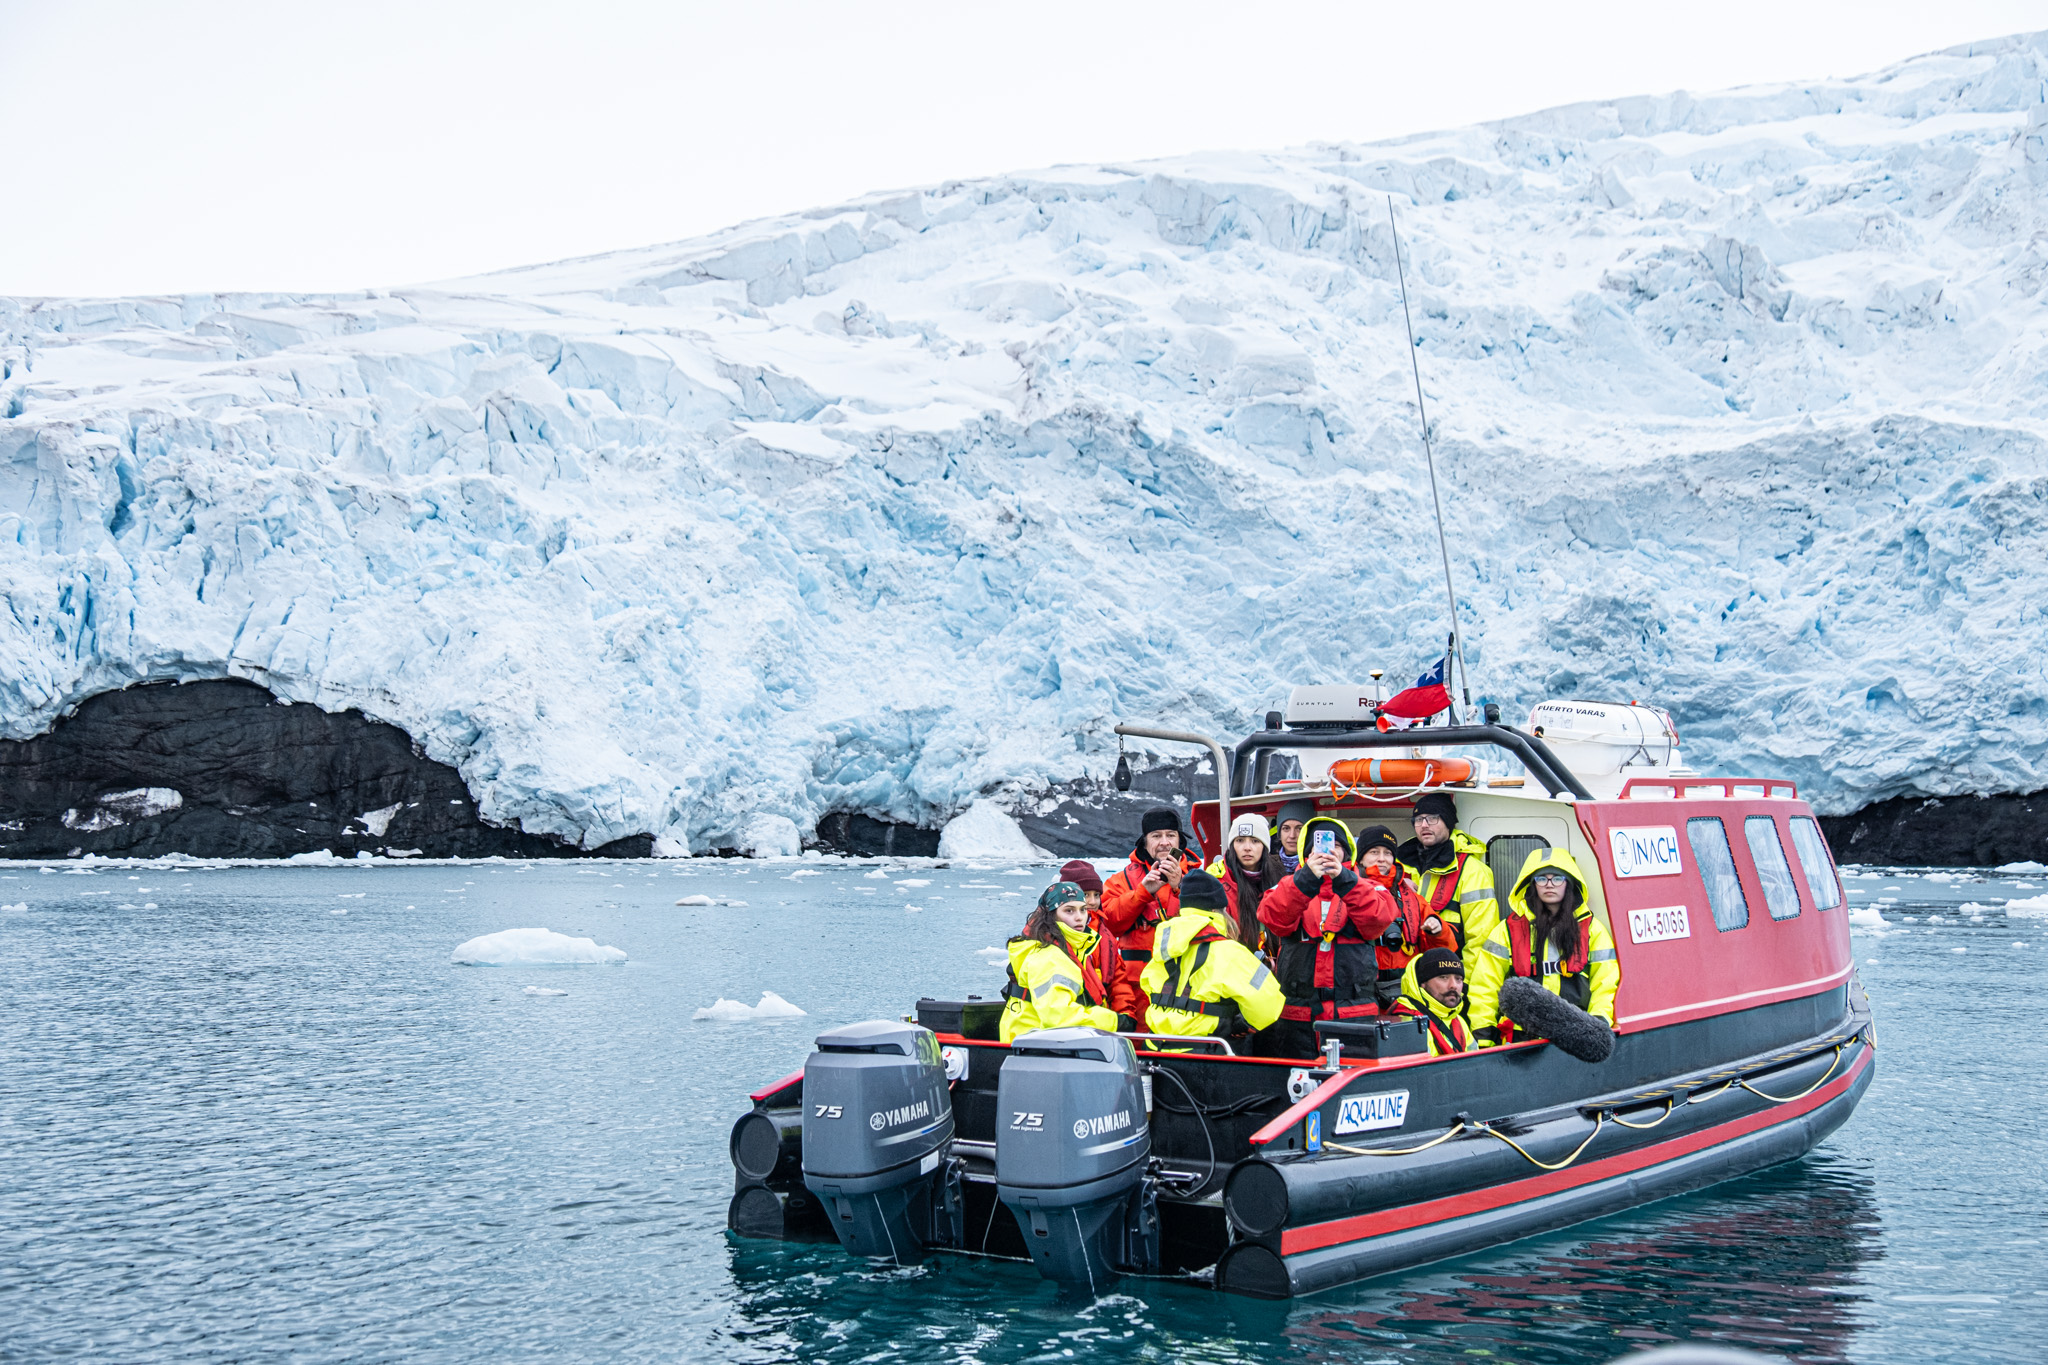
[[915, 881], [1866, 915], [2033, 907], [992, 953], [1972, 908], [351, 895], [1959, 950], [724, 1011], [2019, 945], [878, 875], [2022, 869], [542, 990], [319, 857], [1938, 876], [731, 904], [529, 947], [16, 909], [805, 872], [342, 911], [985, 831], [697, 900]]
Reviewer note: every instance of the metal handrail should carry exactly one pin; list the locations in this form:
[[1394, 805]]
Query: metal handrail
[[1681, 787], [1224, 772], [1177, 1039], [1535, 755]]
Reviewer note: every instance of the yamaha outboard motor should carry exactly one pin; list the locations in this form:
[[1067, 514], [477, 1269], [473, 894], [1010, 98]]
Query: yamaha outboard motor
[[1072, 1142], [878, 1117]]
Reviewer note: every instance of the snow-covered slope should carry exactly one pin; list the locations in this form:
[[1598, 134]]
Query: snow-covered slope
[[1742, 401]]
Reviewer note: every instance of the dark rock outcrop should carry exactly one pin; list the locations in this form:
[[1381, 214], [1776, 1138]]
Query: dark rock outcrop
[[1945, 831], [1090, 818], [226, 770], [863, 836]]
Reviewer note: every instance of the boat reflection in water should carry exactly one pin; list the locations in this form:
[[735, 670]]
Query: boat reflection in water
[[1771, 1262]]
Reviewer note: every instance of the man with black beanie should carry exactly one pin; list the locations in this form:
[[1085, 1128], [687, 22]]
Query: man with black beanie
[[1449, 867], [1146, 890], [1434, 988]]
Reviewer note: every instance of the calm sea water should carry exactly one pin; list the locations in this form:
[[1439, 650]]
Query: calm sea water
[[238, 1124]]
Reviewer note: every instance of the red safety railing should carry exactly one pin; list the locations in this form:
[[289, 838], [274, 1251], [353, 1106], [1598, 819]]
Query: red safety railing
[[1678, 788]]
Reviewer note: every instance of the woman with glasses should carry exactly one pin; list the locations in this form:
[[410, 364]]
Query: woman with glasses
[[1550, 935]]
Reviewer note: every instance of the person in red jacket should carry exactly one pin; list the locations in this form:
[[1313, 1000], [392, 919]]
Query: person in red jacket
[[1327, 919], [1145, 891], [1413, 929]]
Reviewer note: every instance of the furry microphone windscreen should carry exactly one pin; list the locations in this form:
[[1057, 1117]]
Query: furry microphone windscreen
[[1539, 1014]]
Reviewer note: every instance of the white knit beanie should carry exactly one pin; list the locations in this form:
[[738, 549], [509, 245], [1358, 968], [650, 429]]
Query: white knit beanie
[[1248, 827]]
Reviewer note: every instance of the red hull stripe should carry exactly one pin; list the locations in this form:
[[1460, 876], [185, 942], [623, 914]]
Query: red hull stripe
[[1316, 1236]]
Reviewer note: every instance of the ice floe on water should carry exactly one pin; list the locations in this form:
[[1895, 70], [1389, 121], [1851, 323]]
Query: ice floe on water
[[2022, 869], [724, 1011], [1866, 916], [2032, 907], [532, 947], [992, 954], [542, 990], [698, 900], [20, 908]]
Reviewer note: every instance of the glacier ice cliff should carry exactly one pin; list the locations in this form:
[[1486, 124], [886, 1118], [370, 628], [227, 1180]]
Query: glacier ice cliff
[[1741, 400]]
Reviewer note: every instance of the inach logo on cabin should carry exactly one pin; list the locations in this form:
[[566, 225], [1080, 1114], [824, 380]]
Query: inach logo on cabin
[[1646, 851], [889, 1118], [1361, 1113]]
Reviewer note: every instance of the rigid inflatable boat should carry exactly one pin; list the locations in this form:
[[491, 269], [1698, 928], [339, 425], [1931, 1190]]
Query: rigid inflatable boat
[[1743, 1038]]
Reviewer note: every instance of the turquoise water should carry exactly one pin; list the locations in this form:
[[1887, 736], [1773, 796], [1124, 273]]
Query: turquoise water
[[238, 1125]]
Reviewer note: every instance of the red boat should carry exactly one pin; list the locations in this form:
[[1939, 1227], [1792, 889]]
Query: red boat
[[1742, 1039]]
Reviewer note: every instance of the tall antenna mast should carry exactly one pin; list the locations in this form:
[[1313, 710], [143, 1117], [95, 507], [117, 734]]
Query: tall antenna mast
[[1442, 544]]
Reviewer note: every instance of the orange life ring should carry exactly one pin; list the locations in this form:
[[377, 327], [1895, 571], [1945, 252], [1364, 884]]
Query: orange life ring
[[1400, 772]]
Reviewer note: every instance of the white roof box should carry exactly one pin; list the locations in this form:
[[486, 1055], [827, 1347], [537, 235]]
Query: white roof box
[[1605, 743], [1345, 706]]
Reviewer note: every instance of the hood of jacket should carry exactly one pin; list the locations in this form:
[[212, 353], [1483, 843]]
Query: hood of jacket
[[1175, 936], [1411, 990], [1347, 848], [1519, 900]]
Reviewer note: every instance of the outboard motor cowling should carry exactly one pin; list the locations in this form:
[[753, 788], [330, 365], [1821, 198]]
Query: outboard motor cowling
[[1072, 1145], [878, 1118]]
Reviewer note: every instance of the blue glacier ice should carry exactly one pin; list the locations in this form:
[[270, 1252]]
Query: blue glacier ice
[[1741, 401]]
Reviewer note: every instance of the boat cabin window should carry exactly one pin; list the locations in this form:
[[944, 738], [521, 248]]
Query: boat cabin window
[[1505, 854], [1769, 853], [1710, 853], [1814, 862]]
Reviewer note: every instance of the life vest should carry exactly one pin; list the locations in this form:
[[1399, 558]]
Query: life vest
[[1446, 889], [1327, 976], [1402, 939], [1456, 1038], [1576, 989], [1172, 997], [1094, 971]]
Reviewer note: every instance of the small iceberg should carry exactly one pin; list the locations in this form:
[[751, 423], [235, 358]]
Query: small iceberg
[[724, 1011], [993, 954], [2033, 907], [542, 990], [1866, 916], [532, 947], [697, 900], [20, 908], [2025, 869]]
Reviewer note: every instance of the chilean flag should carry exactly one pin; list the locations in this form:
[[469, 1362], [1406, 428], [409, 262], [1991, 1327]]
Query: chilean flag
[[1423, 700]]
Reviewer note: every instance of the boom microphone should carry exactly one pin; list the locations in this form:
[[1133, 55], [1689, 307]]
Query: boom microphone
[[1539, 1014]]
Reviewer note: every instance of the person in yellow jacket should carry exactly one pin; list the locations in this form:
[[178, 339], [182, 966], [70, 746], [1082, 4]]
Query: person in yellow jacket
[[1062, 971], [1433, 987], [1549, 934], [1450, 870], [1201, 982]]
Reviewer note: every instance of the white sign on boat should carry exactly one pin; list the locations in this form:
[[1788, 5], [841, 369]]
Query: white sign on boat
[[1361, 1113], [1659, 923], [1646, 851]]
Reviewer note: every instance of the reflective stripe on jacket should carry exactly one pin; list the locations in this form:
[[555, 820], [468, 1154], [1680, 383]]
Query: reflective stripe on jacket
[[1050, 988], [1201, 980], [1592, 988]]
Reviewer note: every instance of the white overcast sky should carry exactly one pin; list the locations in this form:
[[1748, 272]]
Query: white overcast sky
[[158, 147]]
